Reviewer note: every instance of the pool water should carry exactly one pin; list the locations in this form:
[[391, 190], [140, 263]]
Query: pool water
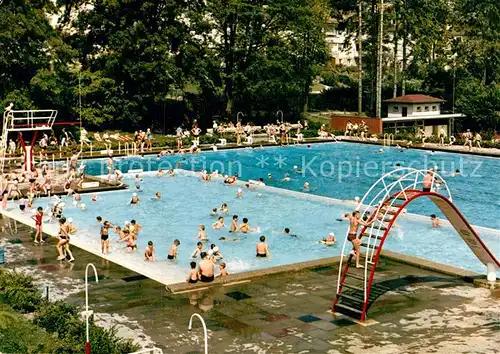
[[343, 171], [187, 202]]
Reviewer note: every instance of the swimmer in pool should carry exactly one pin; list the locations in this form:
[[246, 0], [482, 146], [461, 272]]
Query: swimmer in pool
[[129, 239], [157, 196], [197, 251], [330, 240], [296, 169], [244, 227], [306, 186], [160, 173], [135, 199], [149, 254], [346, 216], [214, 212], [137, 179], [219, 224], [173, 252], [456, 173], [223, 208], [201, 233], [227, 239], [222, 269], [269, 176], [239, 194], [434, 220], [286, 232], [262, 250], [171, 172], [234, 224], [230, 180], [286, 178], [205, 176]]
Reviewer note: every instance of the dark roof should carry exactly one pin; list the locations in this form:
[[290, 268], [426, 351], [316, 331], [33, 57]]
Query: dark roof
[[414, 99]]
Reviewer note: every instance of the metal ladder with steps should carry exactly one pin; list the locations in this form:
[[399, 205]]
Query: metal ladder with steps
[[386, 199]]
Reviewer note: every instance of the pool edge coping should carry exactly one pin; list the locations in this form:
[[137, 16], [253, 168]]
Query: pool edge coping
[[238, 278]]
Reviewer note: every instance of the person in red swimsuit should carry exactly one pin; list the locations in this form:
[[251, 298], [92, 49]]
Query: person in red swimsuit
[[38, 224]]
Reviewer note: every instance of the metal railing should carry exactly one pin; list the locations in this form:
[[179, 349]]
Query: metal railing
[[399, 182]]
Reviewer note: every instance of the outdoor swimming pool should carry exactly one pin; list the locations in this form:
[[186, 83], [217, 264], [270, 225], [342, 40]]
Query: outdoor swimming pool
[[187, 202], [343, 171]]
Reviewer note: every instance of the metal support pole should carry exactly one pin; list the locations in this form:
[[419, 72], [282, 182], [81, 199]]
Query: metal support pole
[[87, 312]]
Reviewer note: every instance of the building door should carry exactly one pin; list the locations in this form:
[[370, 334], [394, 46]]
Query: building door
[[404, 111]]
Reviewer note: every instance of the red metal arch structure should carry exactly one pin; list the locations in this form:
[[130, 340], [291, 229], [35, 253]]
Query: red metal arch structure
[[398, 190]]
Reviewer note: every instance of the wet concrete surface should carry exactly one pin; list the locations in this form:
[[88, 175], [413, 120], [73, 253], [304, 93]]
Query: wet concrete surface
[[422, 312]]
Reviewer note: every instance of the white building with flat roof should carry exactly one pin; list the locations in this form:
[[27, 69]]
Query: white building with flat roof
[[420, 111]]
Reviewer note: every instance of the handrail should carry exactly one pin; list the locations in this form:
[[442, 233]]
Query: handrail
[[190, 327], [403, 175]]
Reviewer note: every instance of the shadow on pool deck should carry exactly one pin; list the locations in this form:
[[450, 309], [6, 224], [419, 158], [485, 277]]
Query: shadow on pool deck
[[417, 310]]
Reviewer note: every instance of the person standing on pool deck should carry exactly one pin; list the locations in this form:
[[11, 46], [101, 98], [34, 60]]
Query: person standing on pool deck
[[38, 217], [105, 237], [109, 164], [262, 249], [206, 269], [354, 222]]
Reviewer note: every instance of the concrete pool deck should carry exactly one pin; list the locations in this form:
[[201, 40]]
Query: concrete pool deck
[[419, 311]]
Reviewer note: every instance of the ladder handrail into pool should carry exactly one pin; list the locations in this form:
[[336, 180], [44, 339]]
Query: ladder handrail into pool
[[385, 212]]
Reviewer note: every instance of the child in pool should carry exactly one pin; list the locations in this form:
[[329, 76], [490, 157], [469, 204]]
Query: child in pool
[[222, 269], [149, 255], [244, 227], [219, 223], [172, 253], [202, 235]]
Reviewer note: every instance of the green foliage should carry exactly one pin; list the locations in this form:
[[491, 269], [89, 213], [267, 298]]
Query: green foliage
[[62, 320], [480, 103], [19, 335], [18, 291], [144, 63]]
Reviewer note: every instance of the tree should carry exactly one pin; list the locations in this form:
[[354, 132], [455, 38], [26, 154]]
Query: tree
[[260, 46], [25, 46]]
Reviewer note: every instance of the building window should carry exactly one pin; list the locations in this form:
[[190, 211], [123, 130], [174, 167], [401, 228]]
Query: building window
[[434, 108], [419, 109], [427, 108], [395, 109]]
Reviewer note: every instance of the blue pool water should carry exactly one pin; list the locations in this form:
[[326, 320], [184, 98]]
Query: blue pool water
[[343, 171], [187, 202]]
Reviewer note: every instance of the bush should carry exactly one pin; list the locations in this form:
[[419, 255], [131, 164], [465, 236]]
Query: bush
[[19, 335], [53, 317], [18, 291], [62, 320]]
